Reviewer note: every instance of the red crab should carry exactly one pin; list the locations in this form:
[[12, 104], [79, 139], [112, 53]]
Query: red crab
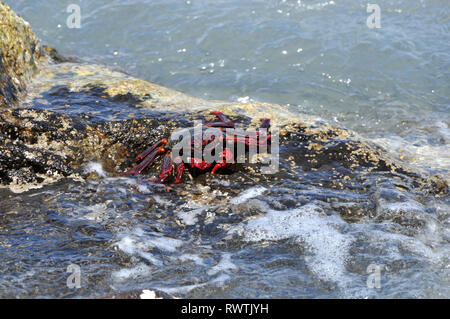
[[199, 139]]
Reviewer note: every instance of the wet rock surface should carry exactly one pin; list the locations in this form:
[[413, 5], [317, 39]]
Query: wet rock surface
[[20, 56], [40, 146], [336, 198]]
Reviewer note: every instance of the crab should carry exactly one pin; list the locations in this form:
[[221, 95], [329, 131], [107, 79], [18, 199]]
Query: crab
[[175, 166]]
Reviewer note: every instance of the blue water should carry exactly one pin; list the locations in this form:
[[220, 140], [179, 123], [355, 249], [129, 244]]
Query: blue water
[[390, 84]]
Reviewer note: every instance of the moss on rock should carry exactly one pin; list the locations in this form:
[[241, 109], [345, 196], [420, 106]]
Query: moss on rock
[[20, 55]]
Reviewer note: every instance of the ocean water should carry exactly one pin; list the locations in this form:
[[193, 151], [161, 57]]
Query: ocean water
[[389, 84]]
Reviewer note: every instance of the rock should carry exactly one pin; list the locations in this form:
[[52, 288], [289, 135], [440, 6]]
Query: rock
[[40, 146], [20, 56], [76, 112]]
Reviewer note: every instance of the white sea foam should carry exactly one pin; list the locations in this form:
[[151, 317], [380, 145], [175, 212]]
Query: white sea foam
[[131, 244], [195, 258], [247, 194], [326, 245], [94, 167], [161, 200], [421, 154], [142, 187], [409, 208], [138, 243], [190, 217], [224, 265], [420, 246], [98, 212], [131, 273], [165, 243]]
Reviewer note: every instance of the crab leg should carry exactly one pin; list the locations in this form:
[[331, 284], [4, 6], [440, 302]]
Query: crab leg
[[147, 161], [151, 149], [179, 171], [166, 167], [224, 121]]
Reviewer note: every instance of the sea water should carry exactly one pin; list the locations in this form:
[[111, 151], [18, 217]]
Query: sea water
[[390, 84]]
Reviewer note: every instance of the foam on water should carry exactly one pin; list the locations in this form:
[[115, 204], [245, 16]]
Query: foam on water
[[321, 235], [140, 243], [94, 167], [421, 154], [161, 200], [327, 241], [191, 257], [190, 217], [396, 207], [188, 213], [135, 248], [140, 270], [224, 265], [247, 194], [140, 184], [411, 266], [139, 240], [98, 212]]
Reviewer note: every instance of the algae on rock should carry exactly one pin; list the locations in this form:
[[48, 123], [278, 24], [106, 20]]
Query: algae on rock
[[20, 55]]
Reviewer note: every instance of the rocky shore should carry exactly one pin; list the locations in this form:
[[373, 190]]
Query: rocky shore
[[56, 115]]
